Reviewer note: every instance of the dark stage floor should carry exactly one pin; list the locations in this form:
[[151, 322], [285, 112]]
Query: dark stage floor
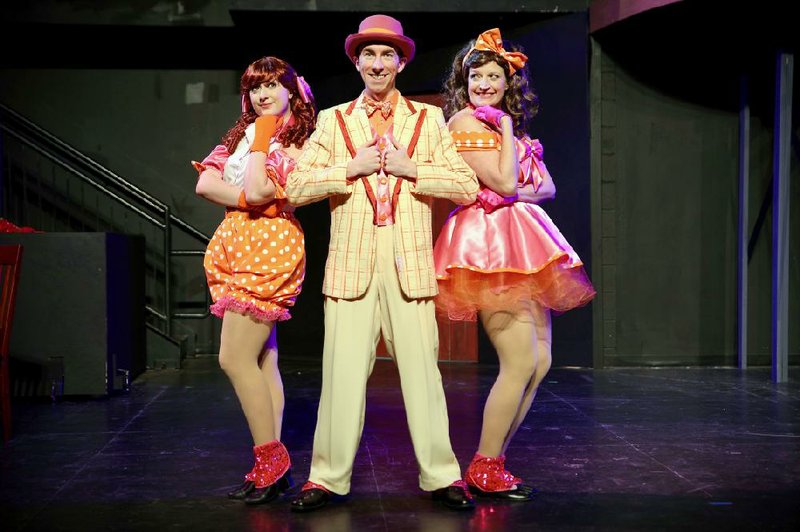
[[625, 449]]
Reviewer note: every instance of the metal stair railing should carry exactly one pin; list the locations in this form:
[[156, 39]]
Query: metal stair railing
[[121, 191]]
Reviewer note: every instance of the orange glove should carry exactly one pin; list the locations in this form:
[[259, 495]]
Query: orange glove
[[273, 208], [242, 203], [270, 209], [266, 126]]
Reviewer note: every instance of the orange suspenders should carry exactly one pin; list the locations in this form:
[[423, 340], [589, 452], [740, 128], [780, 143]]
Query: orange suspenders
[[368, 188]]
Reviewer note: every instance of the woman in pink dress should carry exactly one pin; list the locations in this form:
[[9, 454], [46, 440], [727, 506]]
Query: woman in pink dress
[[255, 262], [502, 257]]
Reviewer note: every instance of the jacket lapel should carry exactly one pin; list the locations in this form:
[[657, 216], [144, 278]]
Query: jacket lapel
[[404, 122], [358, 125]]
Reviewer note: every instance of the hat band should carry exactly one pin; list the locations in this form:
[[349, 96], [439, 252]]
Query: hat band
[[380, 30]]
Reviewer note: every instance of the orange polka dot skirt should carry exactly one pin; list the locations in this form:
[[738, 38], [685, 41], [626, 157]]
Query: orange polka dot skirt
[[255, 265]]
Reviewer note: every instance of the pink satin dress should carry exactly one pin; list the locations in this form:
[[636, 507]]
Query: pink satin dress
[[499, 253]]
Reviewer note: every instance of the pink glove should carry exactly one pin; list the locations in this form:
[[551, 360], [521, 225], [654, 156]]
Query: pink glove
[[491, 200], [489, 114]]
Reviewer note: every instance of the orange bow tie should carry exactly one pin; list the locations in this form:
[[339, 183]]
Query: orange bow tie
[[491, 41], [371, 106]]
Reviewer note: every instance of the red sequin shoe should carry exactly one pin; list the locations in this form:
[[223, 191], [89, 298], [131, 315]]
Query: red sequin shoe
[[271, 473], [488, 477]]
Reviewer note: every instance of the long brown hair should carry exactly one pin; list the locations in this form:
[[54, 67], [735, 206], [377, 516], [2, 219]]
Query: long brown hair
[[519, 101], [265, 70]]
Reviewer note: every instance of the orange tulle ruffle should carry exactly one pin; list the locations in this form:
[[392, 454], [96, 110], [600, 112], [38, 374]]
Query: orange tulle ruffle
[[499, 260]]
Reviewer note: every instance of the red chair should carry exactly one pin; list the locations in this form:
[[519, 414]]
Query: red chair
[[10, 257]]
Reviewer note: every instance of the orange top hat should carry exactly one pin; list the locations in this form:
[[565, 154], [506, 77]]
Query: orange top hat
[[380, 29]]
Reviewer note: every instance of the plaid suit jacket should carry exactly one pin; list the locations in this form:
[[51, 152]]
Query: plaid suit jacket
[[321, 173]]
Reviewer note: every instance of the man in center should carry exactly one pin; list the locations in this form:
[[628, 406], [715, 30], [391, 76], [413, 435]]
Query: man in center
[[380, 159]]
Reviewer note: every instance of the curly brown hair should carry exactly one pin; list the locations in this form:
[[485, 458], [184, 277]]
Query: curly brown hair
[[519, 101], [265, 70]]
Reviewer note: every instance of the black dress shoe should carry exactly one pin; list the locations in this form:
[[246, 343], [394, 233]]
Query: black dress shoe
[[522, 493], [310, 499], [242, 491], [269, 493], [454, 497]]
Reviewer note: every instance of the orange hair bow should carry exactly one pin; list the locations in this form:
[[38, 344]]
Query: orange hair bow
[[491, 41]]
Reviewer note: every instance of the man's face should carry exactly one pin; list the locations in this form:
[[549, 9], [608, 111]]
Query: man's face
[[379, 65]]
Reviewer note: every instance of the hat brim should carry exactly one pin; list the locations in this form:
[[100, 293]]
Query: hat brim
[[354, 40]]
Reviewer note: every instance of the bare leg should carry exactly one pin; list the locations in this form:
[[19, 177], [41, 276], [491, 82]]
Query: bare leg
[[544, 344], [272, 376], [514, 336], [241, 344]]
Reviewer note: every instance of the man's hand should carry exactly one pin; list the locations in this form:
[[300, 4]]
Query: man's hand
[[397, 162], [366, 161]]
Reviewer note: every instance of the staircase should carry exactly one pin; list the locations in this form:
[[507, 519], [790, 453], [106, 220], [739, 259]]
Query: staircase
[[47, 184]]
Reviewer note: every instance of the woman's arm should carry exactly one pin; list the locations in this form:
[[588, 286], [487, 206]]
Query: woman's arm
[[212, 187], [210, 183], [258, 187], [546, 192], [498, 171]]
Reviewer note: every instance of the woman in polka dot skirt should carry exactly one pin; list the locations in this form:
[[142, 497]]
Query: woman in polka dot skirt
[[255, 261]]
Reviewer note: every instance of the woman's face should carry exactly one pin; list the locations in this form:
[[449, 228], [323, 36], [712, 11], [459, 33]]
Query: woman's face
[[270, 98], [486, 85]]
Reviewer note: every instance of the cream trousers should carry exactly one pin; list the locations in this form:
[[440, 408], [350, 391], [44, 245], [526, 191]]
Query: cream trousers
[[352, 331]]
